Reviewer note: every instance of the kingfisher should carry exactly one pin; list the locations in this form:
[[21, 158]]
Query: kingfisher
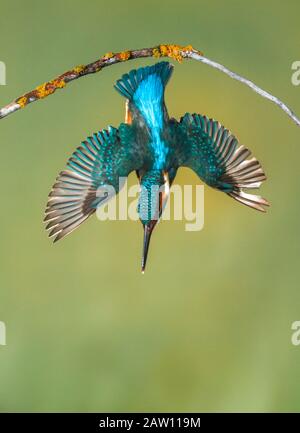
[[154, 145]]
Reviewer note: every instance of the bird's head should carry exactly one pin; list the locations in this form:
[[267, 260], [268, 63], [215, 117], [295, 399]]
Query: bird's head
[[153, 197]]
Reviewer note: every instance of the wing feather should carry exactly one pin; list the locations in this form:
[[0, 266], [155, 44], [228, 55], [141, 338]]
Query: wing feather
[[215, 154], [98, 162]]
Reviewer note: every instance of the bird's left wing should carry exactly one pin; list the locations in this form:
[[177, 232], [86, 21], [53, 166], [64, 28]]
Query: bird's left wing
[[94, 170], [213, 152]]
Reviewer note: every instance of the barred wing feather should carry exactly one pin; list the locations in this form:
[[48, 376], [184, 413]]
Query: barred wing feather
[[215, 154]]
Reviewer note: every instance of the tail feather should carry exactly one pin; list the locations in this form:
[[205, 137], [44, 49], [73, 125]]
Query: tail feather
[[129, 83]]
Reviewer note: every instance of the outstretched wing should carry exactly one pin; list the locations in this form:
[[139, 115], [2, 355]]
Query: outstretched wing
[[93, 171], [213, 152]]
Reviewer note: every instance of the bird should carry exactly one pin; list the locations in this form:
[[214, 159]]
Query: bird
[[154, 145]]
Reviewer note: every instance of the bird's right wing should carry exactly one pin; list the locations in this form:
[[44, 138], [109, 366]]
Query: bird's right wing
[[214, 153], [93, 172]]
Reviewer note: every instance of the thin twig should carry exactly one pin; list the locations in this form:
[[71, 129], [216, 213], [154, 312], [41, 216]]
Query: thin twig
[[248, 83], [173, 51]]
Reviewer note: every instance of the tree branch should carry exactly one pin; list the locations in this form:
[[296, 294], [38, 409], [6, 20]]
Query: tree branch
[[173, 51]]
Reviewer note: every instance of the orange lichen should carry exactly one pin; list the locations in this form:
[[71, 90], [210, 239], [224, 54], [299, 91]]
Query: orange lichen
[[42, 91], [156, 52], [59, 84], [172, 51], [22, 101], [108, 56], [47, 89], [188, 48], [124, 55], [78, 69]]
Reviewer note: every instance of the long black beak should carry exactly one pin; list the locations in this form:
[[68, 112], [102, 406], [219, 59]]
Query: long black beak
[[148, 228]]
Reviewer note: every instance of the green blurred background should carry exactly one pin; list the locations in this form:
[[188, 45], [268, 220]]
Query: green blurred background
[[208, 327]]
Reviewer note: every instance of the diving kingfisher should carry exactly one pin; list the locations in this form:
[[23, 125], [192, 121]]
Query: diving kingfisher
[[155, 146]]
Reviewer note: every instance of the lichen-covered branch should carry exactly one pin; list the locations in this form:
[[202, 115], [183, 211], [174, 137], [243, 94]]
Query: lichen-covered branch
[[176, 52]]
